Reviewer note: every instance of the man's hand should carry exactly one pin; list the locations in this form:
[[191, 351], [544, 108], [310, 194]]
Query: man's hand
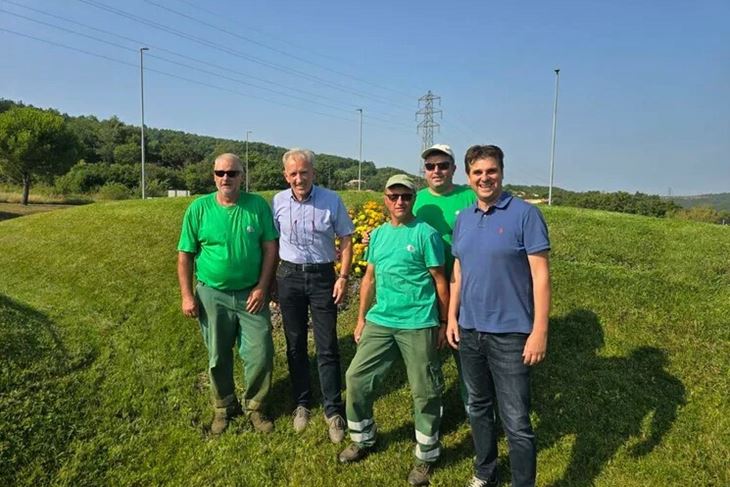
[[190, 306], [256, 300], [452, 334], [339, 290], [358, 330], [535, 348], [442, 336]]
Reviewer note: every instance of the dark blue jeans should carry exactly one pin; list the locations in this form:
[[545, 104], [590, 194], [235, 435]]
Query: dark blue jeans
[[491, 364], [299, 293]]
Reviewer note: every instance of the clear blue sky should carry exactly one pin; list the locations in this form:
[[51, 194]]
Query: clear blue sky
[[644, 85]]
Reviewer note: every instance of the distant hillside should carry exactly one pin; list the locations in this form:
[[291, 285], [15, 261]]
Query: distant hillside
[[718, 201]]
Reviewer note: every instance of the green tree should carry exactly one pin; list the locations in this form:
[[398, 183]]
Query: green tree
[[34, 142]]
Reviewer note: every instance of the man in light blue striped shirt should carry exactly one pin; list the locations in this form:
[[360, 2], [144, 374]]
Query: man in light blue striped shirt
[[309, 219]]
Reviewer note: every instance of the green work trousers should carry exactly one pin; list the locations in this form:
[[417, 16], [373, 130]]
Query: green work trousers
[[225, 323], [379, 347]]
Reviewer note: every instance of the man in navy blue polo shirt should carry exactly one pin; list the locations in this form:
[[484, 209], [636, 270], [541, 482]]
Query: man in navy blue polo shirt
[[498, 313]]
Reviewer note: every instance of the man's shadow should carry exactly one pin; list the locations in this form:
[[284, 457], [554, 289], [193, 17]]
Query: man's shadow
[[605, 402]]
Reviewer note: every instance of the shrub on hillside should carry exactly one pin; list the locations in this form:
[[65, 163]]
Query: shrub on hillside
[[113, 191]]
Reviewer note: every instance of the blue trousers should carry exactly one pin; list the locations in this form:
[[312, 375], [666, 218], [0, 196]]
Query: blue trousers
[[492, 367]]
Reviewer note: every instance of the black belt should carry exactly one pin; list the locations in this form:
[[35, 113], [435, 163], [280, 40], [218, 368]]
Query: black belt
[[308, 267]]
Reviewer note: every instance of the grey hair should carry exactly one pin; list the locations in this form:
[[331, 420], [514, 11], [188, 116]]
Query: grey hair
[[231, 157], [299, 153]]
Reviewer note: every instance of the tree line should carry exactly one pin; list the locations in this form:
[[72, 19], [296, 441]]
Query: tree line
[[85, 155]]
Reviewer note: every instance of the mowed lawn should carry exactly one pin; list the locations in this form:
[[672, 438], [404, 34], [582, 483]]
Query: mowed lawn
[[102, 379]]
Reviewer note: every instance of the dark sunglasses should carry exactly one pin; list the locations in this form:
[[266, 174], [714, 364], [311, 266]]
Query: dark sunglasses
[[230, 174], [404, 196], [430, 166]]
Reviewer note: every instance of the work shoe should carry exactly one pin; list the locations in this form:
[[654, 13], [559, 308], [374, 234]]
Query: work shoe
[[420, 474], [336, 428], [260, 423], [301, 418], [354, 453], [477, 482], [222, 417]]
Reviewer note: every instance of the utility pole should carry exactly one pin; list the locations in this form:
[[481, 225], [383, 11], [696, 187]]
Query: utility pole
[[555, 124], [141, 83], [359, 166], [427, 110], [247, 133]]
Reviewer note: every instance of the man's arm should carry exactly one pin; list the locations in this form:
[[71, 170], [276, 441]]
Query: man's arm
[[452, 330], [367, 292], [345, 252], [257, 298], [185, 263], [442, 295], [536, 345]]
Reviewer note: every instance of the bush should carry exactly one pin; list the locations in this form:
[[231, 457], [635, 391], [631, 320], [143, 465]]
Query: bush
[[366, 218], [113, 191]]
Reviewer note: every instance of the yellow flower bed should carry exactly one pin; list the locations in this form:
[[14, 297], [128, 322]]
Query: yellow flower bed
[[366, 218]]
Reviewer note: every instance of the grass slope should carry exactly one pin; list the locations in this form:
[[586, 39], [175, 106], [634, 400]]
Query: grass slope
[[103, 380]]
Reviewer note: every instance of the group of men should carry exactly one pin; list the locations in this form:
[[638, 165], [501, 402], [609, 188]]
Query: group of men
[[456, 265]]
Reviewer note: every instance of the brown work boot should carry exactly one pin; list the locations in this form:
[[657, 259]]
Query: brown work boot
[[420, 474], [260, 423], [354, 453], [225, 410]]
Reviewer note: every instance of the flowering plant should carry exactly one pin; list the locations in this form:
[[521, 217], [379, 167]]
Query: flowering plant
[[366, 218]]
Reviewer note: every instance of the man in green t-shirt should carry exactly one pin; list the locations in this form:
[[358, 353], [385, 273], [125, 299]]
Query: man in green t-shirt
[[405, 274], [439, 204], [229, 239]]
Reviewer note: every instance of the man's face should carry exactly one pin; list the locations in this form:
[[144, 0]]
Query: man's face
[[485, 178], [399, 201], [438, 170], [228, 182], [300, 175]]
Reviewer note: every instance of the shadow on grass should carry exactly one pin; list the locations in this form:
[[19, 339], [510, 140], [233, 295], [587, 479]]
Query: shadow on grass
[[40, 408], [604, 402]]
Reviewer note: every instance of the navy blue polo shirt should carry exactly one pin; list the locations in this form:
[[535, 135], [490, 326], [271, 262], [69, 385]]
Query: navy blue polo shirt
[[492, 247]]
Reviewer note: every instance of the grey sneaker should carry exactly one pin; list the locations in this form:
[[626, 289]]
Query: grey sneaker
[[301, 418], [336, 428], [354, 453], [260, 423], [420, 474], [477, 482]]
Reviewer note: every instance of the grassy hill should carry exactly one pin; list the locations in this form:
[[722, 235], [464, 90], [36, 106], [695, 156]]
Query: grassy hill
[[718, 201], [102, 379]]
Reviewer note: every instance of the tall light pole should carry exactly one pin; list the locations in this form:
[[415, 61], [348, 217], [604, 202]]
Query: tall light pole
[[141, 82], [555, 124], [247, 133], [359, 165]]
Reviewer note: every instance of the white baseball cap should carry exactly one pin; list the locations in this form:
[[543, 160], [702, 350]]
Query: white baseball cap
[[443, 148]]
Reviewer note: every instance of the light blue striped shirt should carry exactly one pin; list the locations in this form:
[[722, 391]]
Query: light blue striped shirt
[[307, 229]]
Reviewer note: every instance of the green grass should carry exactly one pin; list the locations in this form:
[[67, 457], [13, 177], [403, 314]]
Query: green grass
[[103, 380]]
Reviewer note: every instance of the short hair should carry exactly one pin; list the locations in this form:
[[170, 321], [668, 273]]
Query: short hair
[[231, 157], [477, 152], [296, 152]]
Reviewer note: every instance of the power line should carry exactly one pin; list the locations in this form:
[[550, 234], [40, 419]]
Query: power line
[[230, 51], [266, 46], [162, 58]]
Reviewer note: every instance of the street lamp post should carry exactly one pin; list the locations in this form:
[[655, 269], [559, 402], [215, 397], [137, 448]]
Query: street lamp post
[[247, 133], [141, 82], [359, 165], [552, 150]]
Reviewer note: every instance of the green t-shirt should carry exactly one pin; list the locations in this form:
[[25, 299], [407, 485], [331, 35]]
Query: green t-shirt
[[226, 240], [405, 294], [440, 211]]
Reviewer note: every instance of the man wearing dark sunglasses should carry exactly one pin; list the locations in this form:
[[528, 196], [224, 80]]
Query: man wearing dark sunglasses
[[228, 239], [439, 204], [309, 219], [405, 273]]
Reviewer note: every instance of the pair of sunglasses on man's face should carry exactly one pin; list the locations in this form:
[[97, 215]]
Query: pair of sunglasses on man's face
[[443, 166], [230, 174], [404, 196]]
